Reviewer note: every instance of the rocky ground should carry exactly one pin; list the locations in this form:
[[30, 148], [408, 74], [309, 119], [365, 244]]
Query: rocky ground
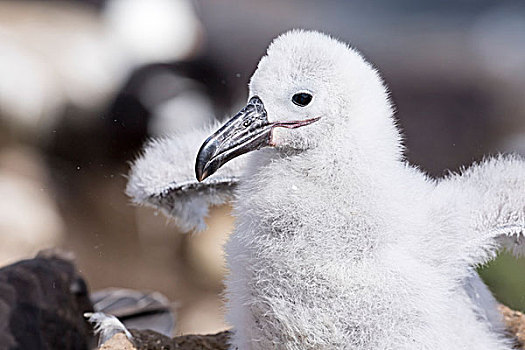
[[149, 340]]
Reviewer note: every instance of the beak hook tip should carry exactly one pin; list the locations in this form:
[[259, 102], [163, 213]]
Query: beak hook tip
[[199, 174]]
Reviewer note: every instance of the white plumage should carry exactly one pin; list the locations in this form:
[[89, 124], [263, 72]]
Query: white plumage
[[106, 326], [164, 178], [339, 243]]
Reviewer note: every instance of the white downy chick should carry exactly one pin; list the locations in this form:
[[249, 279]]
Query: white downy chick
[[339, 243]]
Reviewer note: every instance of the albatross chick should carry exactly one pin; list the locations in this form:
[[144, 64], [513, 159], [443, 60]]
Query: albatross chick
[[339, 243]]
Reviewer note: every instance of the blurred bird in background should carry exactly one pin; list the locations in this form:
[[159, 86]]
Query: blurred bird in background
[[59, 55], [42, 301]]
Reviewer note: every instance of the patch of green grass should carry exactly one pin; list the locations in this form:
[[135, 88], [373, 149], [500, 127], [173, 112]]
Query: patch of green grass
[[505, 277]]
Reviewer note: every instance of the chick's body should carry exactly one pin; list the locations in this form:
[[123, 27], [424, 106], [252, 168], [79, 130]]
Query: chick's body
[[347, 264], [339, 244]]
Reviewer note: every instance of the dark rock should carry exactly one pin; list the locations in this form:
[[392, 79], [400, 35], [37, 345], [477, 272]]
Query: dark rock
[[149, 340]]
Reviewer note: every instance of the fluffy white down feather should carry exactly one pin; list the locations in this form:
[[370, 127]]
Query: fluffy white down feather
[[106, 326], [164, 177], [339, 243]]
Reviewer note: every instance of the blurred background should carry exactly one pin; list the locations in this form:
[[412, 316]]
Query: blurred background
[[83, 83]]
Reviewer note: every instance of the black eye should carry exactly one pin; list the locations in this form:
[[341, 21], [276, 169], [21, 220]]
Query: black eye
[[302, 99]]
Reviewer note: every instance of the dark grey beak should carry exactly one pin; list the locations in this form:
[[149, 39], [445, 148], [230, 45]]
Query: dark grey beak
[[247, 131]]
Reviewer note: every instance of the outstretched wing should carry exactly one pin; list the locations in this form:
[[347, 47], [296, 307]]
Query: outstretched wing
[[488, 202], [164, 177]]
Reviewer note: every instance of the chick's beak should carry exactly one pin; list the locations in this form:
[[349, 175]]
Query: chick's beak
[[247, 131]]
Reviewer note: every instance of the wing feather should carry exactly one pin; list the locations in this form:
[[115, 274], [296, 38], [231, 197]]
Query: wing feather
[[489, 201], [164, 177]]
